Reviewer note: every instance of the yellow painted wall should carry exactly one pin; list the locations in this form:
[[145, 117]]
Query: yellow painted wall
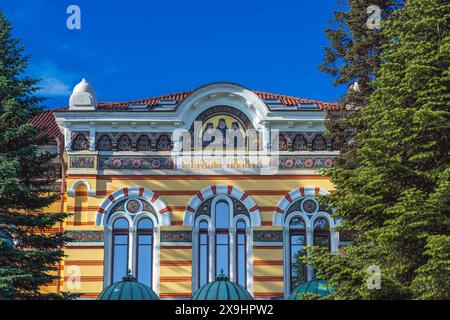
[[176, 261]]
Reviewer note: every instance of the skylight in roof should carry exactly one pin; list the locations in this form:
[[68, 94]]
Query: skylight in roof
[[272, 101], [309, 106], [137, 107], [167, 102]]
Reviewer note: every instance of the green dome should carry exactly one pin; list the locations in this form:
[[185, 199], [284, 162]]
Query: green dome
[[4, 237], [222, 289], [319, 287], [127, 289]]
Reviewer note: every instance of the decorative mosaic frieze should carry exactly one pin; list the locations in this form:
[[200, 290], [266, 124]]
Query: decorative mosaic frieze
[[82, 162], [85, 236], [302, 141], [305, 162], [80, 140], [267, 235], [133, 141], [176, 236], [130, 162]]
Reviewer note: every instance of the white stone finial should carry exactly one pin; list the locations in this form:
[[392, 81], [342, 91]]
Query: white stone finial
[[83, 97], [355, 87]]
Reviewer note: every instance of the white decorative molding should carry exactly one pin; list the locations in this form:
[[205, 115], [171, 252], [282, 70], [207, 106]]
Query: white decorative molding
[[71, 191], [232, 245], [161, 209], [285, 202], [229, 190], [279, 219]]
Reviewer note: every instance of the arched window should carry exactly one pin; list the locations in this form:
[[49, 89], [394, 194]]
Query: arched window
[[222, 216], [203, 257], [297, 243], [241, 253], [322, 233], [120, 244], [144, 252], [222, 241], [131, 243]]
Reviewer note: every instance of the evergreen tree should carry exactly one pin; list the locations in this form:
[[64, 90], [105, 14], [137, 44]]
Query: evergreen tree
[[28, 257], [397, 197], [353, 59]]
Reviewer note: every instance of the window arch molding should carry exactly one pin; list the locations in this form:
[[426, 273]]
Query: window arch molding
[[71, 191], [161, 209], [232, 238], [280, 219], [159, 217], [216, 190]]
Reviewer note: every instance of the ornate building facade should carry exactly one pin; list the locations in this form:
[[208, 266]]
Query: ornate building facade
[[151, 189]]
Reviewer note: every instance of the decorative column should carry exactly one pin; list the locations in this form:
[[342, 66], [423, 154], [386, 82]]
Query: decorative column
[[211, 247], [232, 253], [131, 250], [108, 256], [309, 242]]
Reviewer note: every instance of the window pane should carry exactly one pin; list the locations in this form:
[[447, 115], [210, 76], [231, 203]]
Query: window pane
[[241, 260], [121, 223], [322, 240], [203, 225], [144, 263], [203, 259], [297, 223], [120, 254], [321, 224], [240, 225], [145, 224], [222, 254], [298, 268], [222, 215]]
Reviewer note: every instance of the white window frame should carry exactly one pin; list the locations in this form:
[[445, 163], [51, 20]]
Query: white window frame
[[132, 245], [232, 244]]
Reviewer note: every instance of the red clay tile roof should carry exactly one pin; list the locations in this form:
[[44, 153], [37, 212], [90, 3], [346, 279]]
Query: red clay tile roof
[[285, 100], [46, 119]]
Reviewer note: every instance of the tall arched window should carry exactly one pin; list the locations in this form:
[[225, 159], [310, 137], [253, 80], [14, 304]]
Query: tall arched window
[[203, 257], [120, 244], [222, 242], [297, 243], [131, 244], [322, 233], [222, 217], [241, 253], [144, 252]]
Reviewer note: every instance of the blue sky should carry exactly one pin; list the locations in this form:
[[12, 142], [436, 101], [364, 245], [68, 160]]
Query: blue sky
[[142, 48]]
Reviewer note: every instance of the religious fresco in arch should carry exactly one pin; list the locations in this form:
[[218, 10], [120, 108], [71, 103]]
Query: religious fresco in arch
[[232, 124], [229, 128]]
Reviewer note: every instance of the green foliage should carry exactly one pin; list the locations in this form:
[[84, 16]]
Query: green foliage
[[396, 195], [28, 257]]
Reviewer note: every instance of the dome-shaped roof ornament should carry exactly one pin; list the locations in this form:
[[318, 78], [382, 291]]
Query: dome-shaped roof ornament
[[222, 289], [318, 288], [128, 289], [83, 97]]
